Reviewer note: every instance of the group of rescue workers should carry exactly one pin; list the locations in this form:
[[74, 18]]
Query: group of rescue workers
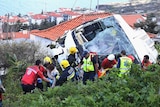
[[87, 68]]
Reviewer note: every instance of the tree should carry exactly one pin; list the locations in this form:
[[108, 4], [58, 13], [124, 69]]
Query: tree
[[19, 15], [149, 25], [18, 26], [25, 27], [46, 24], [25, 50], [5, 27]]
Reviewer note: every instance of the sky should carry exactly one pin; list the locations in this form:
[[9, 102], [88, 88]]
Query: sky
[[36, 6]]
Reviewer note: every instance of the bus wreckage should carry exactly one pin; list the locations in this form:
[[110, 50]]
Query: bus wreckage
[[105, 36]]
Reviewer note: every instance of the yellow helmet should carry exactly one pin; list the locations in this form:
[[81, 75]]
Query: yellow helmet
[[65, 63], [72, 50], [47, 60]]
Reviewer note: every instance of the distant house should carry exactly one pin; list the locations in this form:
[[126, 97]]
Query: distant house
[[67, 15], [54, 16], [15, 35], [11, 20], [38, 18]]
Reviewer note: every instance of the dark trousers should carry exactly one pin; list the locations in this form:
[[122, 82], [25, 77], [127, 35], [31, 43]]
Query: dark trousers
[[40, 86], [88, 76], [27, 88]]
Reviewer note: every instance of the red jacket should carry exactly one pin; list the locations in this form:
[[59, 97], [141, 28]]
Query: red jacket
[[42, 69], [31, 75], [108, 64]]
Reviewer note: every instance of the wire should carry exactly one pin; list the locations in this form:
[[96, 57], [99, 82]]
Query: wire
[[74, 3]]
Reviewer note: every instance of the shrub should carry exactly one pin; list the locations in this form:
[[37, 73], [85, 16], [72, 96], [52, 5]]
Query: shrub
[[138, 89], [27, 51]]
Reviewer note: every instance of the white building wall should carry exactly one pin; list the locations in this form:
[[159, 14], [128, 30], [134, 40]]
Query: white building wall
[[43, 42], [59, 19], [36, 21]]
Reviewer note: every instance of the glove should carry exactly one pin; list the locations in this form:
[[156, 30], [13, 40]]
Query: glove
[[57, 77], [50, 80], [39, 80]]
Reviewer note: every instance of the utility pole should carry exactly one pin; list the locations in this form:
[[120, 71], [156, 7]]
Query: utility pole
[[7, 25], [45, 6], [90, 4], [97, 5]]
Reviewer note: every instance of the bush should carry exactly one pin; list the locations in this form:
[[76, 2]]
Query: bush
[[138, 89], [24, 50]]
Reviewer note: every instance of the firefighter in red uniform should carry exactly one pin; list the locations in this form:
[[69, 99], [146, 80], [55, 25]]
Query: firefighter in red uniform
[[29, 79]]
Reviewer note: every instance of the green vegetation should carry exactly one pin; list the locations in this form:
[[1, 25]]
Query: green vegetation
[[137, 90]]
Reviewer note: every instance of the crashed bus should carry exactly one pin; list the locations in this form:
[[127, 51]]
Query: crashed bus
[[106, 36]]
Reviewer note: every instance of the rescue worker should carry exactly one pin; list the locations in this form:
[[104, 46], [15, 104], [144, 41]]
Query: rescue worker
[[109, 62], [145, 62], [74, 60], [53, 74], [29, 79], [55, 61], [67, 74], [47, 60], [89, 64], [106, 64], [124, 64], [72, 56]]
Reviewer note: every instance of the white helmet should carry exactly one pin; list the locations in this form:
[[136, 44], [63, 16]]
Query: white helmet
[[111, 57]]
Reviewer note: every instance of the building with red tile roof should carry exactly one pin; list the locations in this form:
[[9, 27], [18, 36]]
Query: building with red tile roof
[[39, 16], [135, 18], [71, 13], [57, 31], [13, 19], [54, 14], [131, 19], [15, 35], [64, 9]]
